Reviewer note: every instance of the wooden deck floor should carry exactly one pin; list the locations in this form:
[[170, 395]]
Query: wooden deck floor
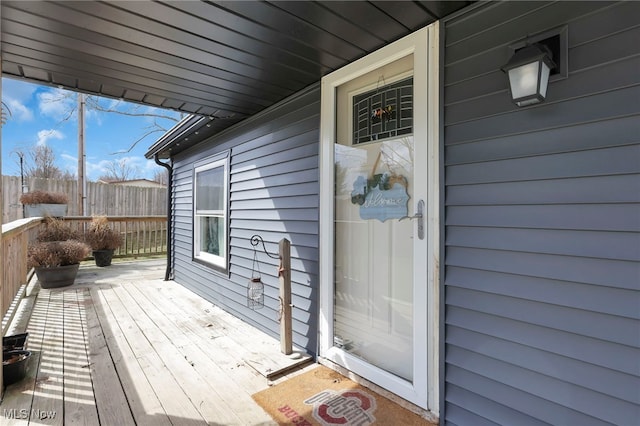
[[124, 347]]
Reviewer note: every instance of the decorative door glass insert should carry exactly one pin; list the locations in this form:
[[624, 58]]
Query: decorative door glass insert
[[384, 112]]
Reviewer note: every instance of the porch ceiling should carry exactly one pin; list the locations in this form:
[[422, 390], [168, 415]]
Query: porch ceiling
[[226, 60]]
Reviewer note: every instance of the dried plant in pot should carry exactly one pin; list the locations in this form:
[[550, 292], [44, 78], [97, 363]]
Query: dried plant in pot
[[44, 203], [57, 230], [103, 240], [56, 263], [56, 254]]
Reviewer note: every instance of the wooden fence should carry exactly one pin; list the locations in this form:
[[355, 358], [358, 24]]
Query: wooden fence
[[142, 235], [102, 199]]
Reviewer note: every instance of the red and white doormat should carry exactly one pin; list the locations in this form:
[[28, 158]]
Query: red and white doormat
[[323, 397]]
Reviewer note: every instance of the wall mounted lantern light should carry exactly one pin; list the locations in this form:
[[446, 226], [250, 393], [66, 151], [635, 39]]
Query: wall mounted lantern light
[[528, 70]]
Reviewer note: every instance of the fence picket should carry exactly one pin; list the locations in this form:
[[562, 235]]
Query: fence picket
[[102, 199]]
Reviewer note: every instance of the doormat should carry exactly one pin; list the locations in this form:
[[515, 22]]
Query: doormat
[[324, 397]]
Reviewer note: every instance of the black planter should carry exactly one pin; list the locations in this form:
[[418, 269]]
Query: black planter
[[15, 342], [103, 257], [14, 365], [59, 276]]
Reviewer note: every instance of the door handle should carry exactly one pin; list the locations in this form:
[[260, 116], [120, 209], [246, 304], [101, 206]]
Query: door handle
[[419, 214]]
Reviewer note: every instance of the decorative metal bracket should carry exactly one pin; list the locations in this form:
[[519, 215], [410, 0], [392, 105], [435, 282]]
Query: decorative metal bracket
[[257, 239]]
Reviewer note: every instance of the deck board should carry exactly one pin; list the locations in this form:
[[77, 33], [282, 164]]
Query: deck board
[[204, 400], [174, 401], [143, 402], [79, 401], [223, 389], [112, 404], [220, 349], [49, 388], [124, 347], [259, 351]]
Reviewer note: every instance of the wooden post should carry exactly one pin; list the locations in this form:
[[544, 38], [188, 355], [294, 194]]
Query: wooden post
[[284, 274], [81, 157]]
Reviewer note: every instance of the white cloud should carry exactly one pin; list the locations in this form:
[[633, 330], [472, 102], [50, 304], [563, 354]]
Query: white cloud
[[62, 105], [94, 170], [45, 135], [18, 110], [151, 167], [16, 95], [69, 163], [69, 159], [18, 89], [58, 104]]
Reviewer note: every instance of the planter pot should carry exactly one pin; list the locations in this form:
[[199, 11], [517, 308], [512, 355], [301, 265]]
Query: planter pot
[[59, 276], [103, 257], [15, 342], [42, 210], [14, 365]]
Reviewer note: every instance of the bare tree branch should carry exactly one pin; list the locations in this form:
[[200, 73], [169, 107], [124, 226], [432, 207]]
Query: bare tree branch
[[161, 176], [144, 135], [120, 170], [93, 102], [96, 103], [62, 96], [41, 164]]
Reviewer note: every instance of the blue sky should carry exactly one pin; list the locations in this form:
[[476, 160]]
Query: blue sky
[[38, 117]]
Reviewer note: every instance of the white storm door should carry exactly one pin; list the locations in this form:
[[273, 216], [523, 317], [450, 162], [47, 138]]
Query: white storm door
[[378, 227]]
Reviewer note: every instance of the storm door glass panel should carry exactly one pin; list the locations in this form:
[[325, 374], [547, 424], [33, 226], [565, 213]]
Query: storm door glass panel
[[374, 245], [374, 258]]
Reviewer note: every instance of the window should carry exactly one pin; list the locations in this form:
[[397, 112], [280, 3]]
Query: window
[[384, 112], [210, 213]]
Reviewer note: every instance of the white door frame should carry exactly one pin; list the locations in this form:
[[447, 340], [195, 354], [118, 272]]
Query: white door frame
[[424, 45]]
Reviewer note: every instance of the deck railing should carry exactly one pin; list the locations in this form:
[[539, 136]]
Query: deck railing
[[16, 237], [142, 236]]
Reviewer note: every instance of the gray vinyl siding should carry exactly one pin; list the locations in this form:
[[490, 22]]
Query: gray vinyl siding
[[542, 221], [274, 192]]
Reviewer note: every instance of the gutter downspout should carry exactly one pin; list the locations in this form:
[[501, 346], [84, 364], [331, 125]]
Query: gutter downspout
[[169, 167]]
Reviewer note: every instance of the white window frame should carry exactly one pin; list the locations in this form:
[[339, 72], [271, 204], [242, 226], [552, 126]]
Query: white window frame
[[219, 263]]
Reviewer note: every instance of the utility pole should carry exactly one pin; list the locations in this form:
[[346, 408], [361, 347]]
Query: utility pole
[[23, 187], [81, 157]]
